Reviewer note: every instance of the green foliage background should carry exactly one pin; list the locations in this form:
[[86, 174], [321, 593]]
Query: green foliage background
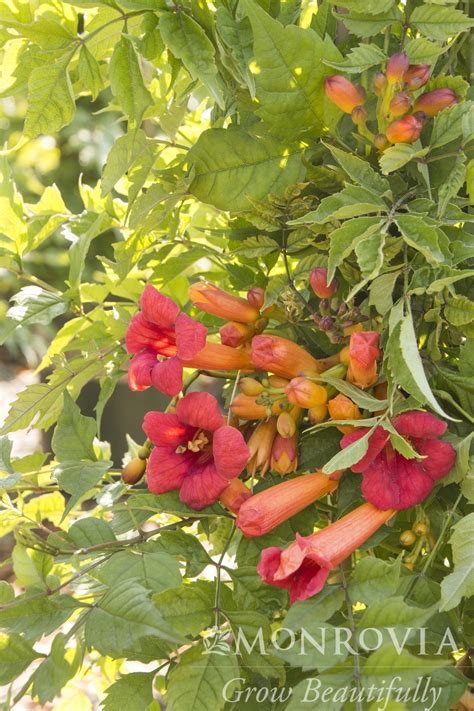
[[152, 141]]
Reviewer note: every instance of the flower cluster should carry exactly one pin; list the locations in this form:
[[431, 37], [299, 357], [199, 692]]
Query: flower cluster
[[401, 111], [280, 386]]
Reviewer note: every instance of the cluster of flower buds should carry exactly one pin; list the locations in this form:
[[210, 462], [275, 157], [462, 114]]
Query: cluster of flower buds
[[395, 91], [421, 535], [245, 316], [335, 318]]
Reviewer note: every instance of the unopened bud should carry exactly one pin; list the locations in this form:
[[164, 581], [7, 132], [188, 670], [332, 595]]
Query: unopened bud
[[397, 65], [324, 307], [416, 76], [250, 386], [407, 538], [435, 101], [235, 334], [326, 323], [317, 414], [380, 142], [303, 392], [284, 454], [133, 471], [342, 408], [420, 529], [359, 115], [319, 283], [286, 426], [400, 104], [344, 93], [404, 130], [256, 297], [379, 83]]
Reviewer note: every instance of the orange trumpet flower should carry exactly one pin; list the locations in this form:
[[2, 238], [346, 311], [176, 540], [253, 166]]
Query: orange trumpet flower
[[209, 298]]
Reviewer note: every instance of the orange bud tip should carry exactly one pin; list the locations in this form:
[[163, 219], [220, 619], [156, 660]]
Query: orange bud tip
[[256, 297], [416, 76], [404, 130], [400, 104], [435, 101], [133, 471], [344, 93], [379, 83], [319, 283]]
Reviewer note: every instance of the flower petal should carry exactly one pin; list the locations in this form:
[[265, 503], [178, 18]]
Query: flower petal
[[308, 581], [377, 442], [166, 470], [167, 376], [440, 456], [200, 410], [202, 487], [269, 564], [165, 429], [158, 308], [380, 484], [419, 424], [414, 483], [190, 336], [142, 334], [230, 452], [139, 370]]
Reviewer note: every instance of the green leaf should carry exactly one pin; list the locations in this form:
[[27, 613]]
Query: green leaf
[[33, 305], [319, 608], [74, 433], [8, 476], [399, 155], [345, 238], [231, 168], [394, 613], [316, 448], [188, 609], [369, 253], [439, 23], [459, 583], [54, 673], [50, 99], [16, 655], [289, 74], [90, 531], [420, 236], [360, 58], [125, 151], [126, 80], [153, 570], [386, 662], [373, 579], [406, 365], [185, 547], [366, 25], [37, 616], [188, 42], [349, 455], [371, 7], [381, 291], [133, 692], [360, 171], [448, 124], [89, 72], [422, 51], [123, 617], [362, 399], [31, 567], [197, 682], [452, 184], [77, 478], [459, 310], [353, 201]]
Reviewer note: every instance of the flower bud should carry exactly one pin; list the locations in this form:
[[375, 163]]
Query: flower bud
[[260, 447], [324, 307], [359, 115], [404, 130], [379, 83], [303, 392], [319, 284], [416, 76], [363, 355], [284, 454], [407, 538], [247, 408], [400, 104], [420, 529], [213, 300], [380, 142], [435, 101], [250, 386], [282, 357], [397, 65], [317, 414], [286, 426], [276, 382], [343, 93], [344, 355], [256, 297], [235, 334], [342, 408], [234, 495], [133, 471], [326, 323]]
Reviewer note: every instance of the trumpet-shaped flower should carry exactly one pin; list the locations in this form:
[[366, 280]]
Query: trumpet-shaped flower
[[389, 479], [304, 566], [195, 451]]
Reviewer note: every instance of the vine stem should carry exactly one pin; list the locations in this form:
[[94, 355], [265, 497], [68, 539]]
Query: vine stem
[[219, 566]]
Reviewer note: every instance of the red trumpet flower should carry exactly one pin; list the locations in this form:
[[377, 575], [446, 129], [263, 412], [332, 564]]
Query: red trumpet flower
[[390, 480], [195, 451], [304, 566], [264, 511]]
